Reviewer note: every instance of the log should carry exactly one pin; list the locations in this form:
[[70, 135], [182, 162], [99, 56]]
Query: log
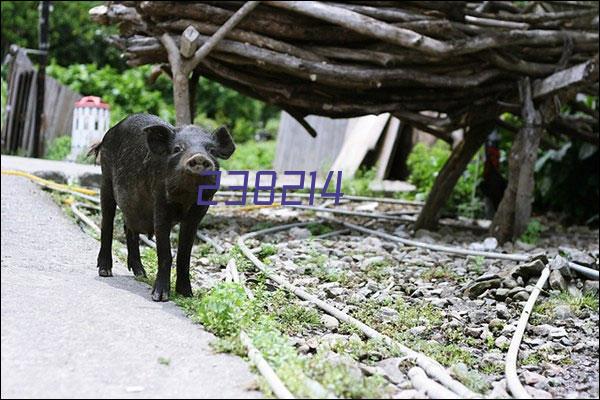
[[577, 75], [449, 175], [187, 44], [514, 211]]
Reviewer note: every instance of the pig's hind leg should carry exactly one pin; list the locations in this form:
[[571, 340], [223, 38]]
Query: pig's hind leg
[[108, 206], [134, 262]]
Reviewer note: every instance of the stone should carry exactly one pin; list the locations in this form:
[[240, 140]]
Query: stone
[[557, 332], [557, 280], [577, 256], [502, 311], [90, 179], [537, 393], [496, 325], [521, 296], [56, 176], [590, 287], [573, 290], [509, 283], [528, 270], [391, 370], [329, 322], [417, 330], [534, 379], [501, 293], [541, 330], [559, 263], [299, 233], [502, 342], [476, 288]]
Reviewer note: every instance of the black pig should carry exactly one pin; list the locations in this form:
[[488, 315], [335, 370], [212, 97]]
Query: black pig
[[152, 170]]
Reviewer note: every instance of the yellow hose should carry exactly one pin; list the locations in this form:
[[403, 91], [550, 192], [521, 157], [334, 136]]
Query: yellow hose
[[50, 184]]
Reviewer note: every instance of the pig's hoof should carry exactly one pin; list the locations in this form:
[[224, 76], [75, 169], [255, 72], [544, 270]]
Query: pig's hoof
[[159, 293], [184, 290], [138, 270], [105, 272]]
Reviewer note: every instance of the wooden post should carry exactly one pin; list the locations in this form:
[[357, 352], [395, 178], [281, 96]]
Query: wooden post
[[182, 66], [44, 10], [514, 211], [449, 175]]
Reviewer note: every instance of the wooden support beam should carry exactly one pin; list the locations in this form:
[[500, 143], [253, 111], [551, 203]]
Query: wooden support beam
[[449, 175], [514, 210]]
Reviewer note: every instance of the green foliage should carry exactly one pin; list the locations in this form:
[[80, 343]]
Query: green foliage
[[359, 184], [251, 156], [127, 92], [443, 273], [58, 148], [74, 38], [425, 163], [225, 309], [567, 181], [533, 231], [318, 228]]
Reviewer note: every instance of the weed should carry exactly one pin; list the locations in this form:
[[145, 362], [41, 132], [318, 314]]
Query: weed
[[440, 273], [532, 232], [59, 148], [476, 264], [164, 361], [317, 228]]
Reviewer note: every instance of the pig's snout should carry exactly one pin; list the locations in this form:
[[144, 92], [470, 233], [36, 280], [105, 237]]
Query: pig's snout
[[198, 163]]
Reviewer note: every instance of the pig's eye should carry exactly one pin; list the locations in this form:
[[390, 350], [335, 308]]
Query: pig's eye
[[177, 149]]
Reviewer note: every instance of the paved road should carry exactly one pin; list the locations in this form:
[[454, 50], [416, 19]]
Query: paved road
[[68, 333]]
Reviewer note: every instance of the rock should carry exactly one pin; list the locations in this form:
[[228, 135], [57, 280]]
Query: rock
[[487, 277], [561, 264], [557, 332], [557, 280], [473, 332], [509, 283], [577, 256], [90, 179], [521, 296], [496, 325], [534, 379], [388, 314], [502, 311], [502, 293], [499, 390], [541, 330], [591, 287], [299, 233], [409, 394], [391, 370], [329, 322], [417, 330], [56, 176], [490, 243], [502, 342], [528, 270], [478, 287], [573, 290], [368, 206]]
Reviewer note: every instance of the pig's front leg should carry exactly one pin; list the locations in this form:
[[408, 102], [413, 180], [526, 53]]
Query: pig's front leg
[[162, 284], [187, 234]]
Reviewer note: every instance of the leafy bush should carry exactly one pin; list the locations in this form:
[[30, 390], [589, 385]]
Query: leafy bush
[[127, 92], [251, 156], [225, 309], [58, 148], [359, 184], [532, 232]]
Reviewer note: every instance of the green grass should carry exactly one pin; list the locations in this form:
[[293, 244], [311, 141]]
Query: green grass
[[544, 310], [359, 184], [440, 273], [251, 156]]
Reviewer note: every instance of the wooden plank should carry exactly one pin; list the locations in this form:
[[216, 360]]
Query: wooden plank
[[296, 150], [387, 148], [361, 136]]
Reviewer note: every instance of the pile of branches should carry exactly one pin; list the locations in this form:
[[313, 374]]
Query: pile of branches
[[438, 66]]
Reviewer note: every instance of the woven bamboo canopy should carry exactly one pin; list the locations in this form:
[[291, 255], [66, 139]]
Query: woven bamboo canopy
[[439, 66]]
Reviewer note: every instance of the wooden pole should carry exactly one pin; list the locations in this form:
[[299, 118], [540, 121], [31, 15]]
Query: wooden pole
[[514, 210], [44, 11], [449, 175]]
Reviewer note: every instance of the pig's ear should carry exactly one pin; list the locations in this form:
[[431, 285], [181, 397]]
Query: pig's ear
[[225, 145], [159, 138]]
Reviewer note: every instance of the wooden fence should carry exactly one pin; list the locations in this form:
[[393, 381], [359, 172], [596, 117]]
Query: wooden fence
[[18, 126]]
